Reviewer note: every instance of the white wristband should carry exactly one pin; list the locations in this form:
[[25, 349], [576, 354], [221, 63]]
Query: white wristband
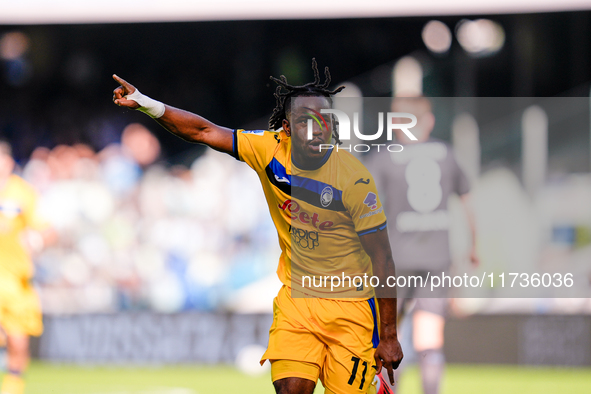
[[147, 105]]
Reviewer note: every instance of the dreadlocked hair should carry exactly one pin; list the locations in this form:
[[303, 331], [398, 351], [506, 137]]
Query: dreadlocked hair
[[310, 89]]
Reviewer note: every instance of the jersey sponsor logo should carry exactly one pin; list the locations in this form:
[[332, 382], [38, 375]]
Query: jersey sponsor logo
[[305, 239], [371, 200], [282, 179], [361, 180], [326, 196], [371, 213], [298, 214], [255, 132]]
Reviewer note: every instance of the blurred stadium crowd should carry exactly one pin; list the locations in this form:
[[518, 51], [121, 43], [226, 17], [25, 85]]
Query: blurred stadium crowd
[[130, 236]]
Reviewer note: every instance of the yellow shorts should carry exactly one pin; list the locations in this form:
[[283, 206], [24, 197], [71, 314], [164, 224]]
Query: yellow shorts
[[326, 339], [20, 309]]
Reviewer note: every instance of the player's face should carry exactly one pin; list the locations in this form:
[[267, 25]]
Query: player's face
[[303, 109]]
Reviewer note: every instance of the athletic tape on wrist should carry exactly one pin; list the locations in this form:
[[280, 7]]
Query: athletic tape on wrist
[[149, 106]]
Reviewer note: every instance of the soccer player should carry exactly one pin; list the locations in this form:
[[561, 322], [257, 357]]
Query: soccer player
[[20, 310], [416, 184], [334, 339]]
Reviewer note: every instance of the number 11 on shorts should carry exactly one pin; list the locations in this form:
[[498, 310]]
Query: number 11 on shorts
[[355, 367]]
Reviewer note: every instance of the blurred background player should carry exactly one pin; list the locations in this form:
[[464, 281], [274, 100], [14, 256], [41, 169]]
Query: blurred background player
[[416, 184], [20, 309]]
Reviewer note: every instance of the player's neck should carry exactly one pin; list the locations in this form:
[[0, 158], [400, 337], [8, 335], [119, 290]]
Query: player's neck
[[309, 164]]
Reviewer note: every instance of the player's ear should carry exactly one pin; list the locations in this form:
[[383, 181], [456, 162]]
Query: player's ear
[[286, 127]]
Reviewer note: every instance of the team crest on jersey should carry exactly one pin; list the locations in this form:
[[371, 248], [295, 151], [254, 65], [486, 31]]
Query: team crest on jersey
[[371, 200], [326, 196]]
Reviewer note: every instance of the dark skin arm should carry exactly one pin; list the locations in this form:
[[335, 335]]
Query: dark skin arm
[[185, 125], [388, 353]]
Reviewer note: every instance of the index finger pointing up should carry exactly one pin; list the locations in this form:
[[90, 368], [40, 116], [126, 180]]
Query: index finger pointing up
[[124, 83]]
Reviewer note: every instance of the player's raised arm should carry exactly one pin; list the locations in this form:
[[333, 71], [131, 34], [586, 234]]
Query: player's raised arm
[[186, 125], [388, 353]]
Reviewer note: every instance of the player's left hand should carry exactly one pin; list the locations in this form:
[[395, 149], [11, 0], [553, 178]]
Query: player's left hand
[[388, 354]]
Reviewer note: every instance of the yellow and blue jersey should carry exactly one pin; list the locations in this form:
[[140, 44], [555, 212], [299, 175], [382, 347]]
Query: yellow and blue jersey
[[319, 213], [20, 309], [18, 212]]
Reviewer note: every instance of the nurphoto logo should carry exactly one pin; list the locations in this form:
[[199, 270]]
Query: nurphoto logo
[[343, 124]]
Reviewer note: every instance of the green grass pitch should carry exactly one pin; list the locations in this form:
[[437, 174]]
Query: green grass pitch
[[43, 378]]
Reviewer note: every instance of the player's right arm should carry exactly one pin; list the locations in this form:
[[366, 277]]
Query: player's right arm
[[388, 354], [186, 125]]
